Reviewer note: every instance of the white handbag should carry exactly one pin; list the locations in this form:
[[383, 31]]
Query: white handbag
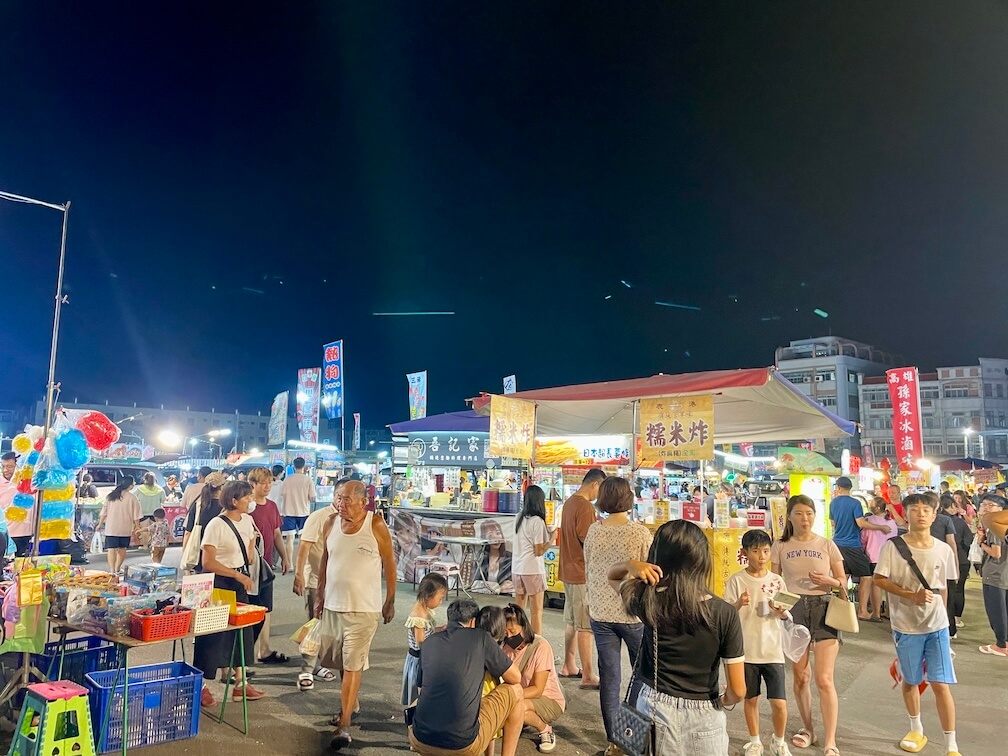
[[191, 551], [841, 613]]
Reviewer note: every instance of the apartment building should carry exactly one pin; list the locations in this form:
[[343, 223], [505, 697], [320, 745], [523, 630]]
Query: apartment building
[[964, 412], [827, 369]]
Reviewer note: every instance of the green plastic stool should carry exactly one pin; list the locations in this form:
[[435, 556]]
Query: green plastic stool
[[55, 721]]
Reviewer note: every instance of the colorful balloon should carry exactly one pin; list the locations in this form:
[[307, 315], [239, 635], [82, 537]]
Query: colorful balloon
[[72, 449], [21, 444], [59, 494], [23, 501], [16, 514], [99, 431], [49, 480]]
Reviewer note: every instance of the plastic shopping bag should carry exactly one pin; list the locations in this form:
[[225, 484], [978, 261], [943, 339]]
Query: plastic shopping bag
[[795, 639], [97, 543], [312, 642], [301, 632], [975, 552]]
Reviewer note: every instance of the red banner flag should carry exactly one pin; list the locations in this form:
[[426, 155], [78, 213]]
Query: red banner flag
[[904, 392]]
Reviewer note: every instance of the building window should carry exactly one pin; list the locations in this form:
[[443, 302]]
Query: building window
[[987, 390], [1000, 391], [828, 401], [934, 450], [882, 448], [1001, 419], [262, 426]]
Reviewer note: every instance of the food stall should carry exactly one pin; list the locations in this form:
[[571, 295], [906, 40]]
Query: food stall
[[755, 405], [454, 501]]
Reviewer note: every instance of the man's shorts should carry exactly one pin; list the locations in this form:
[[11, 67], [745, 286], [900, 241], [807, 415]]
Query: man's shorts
[[931, 649], [576, 607], [347, 636], [494, 709], [855, 562], [772, 674], [291, 524], [810, 612]]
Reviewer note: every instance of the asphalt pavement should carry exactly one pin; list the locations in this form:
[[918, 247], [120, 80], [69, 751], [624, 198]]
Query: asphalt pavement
[[872, 717]]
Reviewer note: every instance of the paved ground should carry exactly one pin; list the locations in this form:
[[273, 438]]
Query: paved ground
[[872, 718]]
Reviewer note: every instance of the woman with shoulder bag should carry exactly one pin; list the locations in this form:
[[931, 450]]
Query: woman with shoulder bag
[[228, 542], [812, 567], [688, 634]]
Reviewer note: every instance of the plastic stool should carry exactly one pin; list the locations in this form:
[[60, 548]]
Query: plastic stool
[[422, 563], [449, 570], [55, 721]]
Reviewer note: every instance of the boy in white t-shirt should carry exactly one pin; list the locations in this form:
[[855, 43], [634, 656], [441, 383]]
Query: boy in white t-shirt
[[919, 618], [750, 591]]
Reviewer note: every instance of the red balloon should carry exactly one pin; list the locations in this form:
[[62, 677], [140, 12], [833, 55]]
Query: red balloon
[[25, 486], [99, 431], [39, 444]]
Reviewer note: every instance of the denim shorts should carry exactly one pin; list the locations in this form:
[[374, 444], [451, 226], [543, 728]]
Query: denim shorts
[[928, 649], [684, 727]]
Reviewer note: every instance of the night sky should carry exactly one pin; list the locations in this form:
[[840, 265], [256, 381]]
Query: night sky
[[248, 185]]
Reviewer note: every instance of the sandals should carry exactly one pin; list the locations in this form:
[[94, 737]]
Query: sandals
[[913, 742], [569, 677], [803, 739], [305, 682], [325, 674], [275, 658], [832, 751]]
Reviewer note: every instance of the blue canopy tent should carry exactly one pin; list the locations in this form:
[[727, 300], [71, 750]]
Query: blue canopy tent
[[461, 422]]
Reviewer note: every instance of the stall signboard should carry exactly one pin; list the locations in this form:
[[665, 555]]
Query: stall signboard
[[332, 379], [122, 452], [727, 556], [552, 559], [330, 459], [676, 428], [585, 451], [904, 392], [985, 477], [512, 427], [451, 449], [417, 383], [278, 420], [278, 456], [309, 399], [573, 475]]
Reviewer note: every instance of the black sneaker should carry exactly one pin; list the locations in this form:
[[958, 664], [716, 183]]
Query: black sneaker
[[340, 740]]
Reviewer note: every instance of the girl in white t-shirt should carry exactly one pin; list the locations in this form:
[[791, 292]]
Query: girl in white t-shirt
[[530, 541], [812, 567]]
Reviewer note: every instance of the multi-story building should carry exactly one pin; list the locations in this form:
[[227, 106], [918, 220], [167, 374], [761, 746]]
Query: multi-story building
[[964, 412], [827, 370], [144, 425]]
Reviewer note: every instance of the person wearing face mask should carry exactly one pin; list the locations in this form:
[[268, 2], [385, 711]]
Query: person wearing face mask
[[577, 517], [268, 522], [543, 701]]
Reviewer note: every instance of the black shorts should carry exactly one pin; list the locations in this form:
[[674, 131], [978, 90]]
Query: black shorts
[[772, 674], [117, 542], [810, 611], [855, 562]]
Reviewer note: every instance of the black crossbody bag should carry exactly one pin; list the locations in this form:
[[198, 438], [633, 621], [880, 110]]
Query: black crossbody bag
[[266, 573], [904, 551]]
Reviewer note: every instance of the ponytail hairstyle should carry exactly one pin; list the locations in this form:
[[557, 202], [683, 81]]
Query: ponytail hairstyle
[[793, 502], [124, 485]]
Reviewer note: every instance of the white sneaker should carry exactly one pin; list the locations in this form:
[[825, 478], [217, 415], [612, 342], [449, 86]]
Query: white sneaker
[[752, 749], [547, 741], [959, 622], [779, 750]]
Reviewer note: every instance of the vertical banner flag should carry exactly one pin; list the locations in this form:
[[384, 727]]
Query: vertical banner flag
[[746, 449], [278, 420], [332, 379], [356, 430], [510, 384], [309, 397], [676, 428], [904, 393], [417, 394], [512, 427]]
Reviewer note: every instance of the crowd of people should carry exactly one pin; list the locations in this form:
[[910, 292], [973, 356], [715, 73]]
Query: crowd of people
[[489, 673]]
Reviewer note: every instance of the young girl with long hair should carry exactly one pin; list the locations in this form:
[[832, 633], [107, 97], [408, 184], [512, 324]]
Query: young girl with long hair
[[530, 541], [419, 624], [812, 567], [694, 633]]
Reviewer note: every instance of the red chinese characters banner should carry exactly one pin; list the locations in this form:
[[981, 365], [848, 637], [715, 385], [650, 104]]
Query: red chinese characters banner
[[676, 428], [904, 392]]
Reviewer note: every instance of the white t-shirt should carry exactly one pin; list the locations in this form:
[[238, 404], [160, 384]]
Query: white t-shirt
[[524, 561], [276, 494], [762, 634], [938, 564], [311, 539], [296, 495], [219, 535]]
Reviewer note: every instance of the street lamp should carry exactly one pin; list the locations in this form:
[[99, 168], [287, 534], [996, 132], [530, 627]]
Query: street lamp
[[169, 438]]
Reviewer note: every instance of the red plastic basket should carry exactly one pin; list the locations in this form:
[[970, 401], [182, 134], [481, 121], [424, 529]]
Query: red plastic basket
[[247, 614], [151, 627]]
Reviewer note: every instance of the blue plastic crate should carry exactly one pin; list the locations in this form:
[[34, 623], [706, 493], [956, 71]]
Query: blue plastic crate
[[83, 655], [164, 705]]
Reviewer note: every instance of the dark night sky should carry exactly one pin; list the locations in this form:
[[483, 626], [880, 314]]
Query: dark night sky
[[511, 162]]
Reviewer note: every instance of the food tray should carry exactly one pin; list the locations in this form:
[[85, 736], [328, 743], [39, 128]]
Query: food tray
[[247, 614]]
